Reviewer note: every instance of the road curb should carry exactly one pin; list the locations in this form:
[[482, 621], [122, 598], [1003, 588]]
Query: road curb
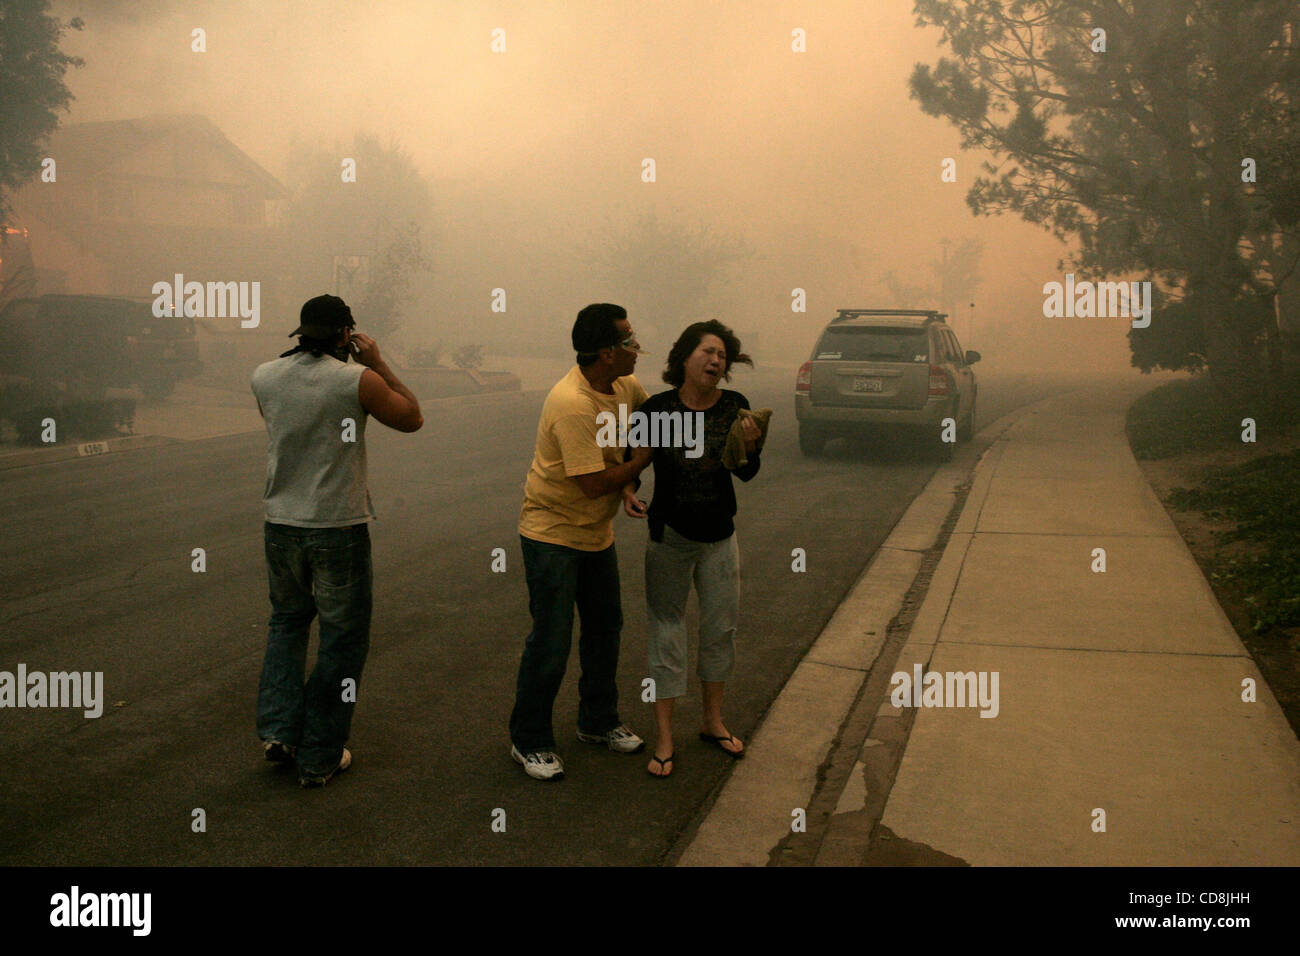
[[755, 809], [91, 449]]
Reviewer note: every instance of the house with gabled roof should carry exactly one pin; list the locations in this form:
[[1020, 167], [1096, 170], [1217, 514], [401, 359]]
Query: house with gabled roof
[[133, 202]]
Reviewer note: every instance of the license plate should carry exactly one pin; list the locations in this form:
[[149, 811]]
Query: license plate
[[93, 448], [861, 384]]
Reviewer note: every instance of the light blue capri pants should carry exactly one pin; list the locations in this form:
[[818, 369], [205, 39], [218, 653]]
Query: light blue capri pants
[[670, 567]]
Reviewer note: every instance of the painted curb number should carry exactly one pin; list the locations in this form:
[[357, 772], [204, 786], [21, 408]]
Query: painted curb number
[[93, 448]]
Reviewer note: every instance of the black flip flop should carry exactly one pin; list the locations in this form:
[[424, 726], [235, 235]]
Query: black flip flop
[[717, 742], [663, 765]]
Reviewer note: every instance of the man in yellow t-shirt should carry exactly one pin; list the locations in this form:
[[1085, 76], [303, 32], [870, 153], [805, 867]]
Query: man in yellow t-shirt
[[566, 530]]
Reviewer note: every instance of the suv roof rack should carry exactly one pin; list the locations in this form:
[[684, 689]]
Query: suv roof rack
[[930, 314]]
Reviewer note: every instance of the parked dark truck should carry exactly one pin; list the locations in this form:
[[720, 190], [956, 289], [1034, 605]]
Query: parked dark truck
[[72, 358]]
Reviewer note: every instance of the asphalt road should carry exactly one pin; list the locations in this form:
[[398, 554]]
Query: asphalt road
[[95, 573]]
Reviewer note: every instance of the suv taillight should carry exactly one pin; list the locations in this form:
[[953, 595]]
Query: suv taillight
[[804, 382], [938, 381]]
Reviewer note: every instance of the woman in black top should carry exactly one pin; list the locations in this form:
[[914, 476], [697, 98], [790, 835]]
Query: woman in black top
[[692, 535]]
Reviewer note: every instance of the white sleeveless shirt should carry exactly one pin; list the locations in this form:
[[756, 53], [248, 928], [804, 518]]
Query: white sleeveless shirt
[[315, 476]]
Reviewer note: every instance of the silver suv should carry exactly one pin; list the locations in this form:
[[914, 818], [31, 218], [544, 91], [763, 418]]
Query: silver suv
[[891, 367]]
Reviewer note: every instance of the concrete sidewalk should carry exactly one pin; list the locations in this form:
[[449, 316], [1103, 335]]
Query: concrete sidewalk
[[1119, 695]]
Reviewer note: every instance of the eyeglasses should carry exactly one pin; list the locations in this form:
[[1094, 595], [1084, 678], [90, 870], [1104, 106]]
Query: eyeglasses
[[631, 344]]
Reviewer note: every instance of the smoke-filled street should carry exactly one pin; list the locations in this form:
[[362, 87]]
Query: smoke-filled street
[[681, 436], [97, 565]]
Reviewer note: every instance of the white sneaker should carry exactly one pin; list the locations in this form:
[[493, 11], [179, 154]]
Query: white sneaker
[[539, 764], [620, 739]]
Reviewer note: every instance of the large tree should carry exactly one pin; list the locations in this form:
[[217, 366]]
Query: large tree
[[666, 270], [359, 210], [956, 277], [1123, 125], [32, 92]]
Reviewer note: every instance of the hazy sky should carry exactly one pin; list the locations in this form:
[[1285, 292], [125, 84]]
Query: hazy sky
[[819, 160]]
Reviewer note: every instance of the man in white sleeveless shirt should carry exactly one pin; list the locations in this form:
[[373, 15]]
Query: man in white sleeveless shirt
[[317, 534]]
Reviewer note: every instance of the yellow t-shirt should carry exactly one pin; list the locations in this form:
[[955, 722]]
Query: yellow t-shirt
[[555, 509]]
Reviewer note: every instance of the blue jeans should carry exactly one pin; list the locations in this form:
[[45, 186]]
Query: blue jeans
[[558, 578], [325, 572]]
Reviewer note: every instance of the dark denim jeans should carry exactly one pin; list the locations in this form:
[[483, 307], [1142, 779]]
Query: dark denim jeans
[[558, 578], [325, 572]]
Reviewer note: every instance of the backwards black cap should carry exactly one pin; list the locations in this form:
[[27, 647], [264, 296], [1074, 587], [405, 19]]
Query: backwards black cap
[[324, 317]]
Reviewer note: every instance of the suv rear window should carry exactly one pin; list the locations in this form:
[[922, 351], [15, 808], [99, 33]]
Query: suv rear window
[[860, 343]]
